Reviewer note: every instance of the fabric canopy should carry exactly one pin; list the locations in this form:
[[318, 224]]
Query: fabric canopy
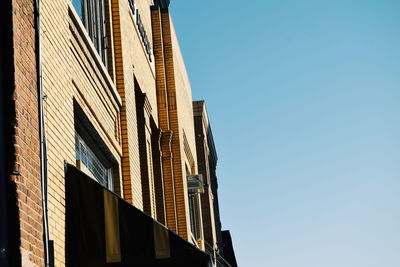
[[104, 230]]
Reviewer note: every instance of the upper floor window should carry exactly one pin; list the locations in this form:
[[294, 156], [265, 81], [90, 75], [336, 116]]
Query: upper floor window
[[195, 187], [92, 14]]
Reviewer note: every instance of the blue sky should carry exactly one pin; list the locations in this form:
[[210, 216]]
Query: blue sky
[[304, 101]]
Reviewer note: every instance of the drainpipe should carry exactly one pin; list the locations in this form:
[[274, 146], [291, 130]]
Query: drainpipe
[[48, 246]]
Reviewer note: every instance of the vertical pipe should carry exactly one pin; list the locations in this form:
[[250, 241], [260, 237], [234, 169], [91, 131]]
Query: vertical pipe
[[43, 151]]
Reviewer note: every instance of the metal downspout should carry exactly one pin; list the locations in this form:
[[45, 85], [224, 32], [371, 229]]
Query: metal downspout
[[43, 152]]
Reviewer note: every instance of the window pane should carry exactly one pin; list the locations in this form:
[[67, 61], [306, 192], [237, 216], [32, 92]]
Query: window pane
[[78, 5], [92, 162]]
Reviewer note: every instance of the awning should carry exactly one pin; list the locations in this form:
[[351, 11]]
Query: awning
[[104, 230]]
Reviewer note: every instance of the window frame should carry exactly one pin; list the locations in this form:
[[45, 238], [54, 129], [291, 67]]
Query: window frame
[[87, 156], [194, 211], [92, 140]]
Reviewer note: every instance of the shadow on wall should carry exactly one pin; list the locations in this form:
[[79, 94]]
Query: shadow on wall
[[9, 224]]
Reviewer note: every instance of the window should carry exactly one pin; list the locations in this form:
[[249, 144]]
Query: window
[[92, 154], [192, 214], [195, 216], [91, 164], [92, 14], [194, 210]]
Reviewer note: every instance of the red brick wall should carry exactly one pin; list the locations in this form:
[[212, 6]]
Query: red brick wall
[[26, 167]]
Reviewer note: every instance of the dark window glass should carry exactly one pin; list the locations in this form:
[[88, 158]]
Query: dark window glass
[[192, 215]]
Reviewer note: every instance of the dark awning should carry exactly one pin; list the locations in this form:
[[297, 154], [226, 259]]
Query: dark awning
[[104, 230]]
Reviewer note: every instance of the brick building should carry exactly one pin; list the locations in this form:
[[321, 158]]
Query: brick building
[[214, 238], [207, 163], [97, 90], [21, 237]]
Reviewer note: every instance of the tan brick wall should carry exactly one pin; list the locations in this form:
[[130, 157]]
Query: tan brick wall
[[73, 72], [185, 114], [58, 88], [132, 63], [136, 61], [183, 95]]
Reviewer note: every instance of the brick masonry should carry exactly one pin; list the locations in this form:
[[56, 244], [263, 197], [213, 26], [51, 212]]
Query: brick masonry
[[176, 121], [207, 161], [74, 76], [163, 118], [150, 164], [25, 177]]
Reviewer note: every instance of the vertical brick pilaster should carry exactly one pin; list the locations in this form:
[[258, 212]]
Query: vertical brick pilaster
[[163, 118], [169, 185], [179, 177], [174, 179], [127, 186]]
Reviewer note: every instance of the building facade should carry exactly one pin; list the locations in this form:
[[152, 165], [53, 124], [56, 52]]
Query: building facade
[[207, 163], [100, 87], [217, 242]]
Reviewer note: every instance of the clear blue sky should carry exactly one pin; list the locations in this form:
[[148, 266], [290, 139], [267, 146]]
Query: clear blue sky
[[304, 101]]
